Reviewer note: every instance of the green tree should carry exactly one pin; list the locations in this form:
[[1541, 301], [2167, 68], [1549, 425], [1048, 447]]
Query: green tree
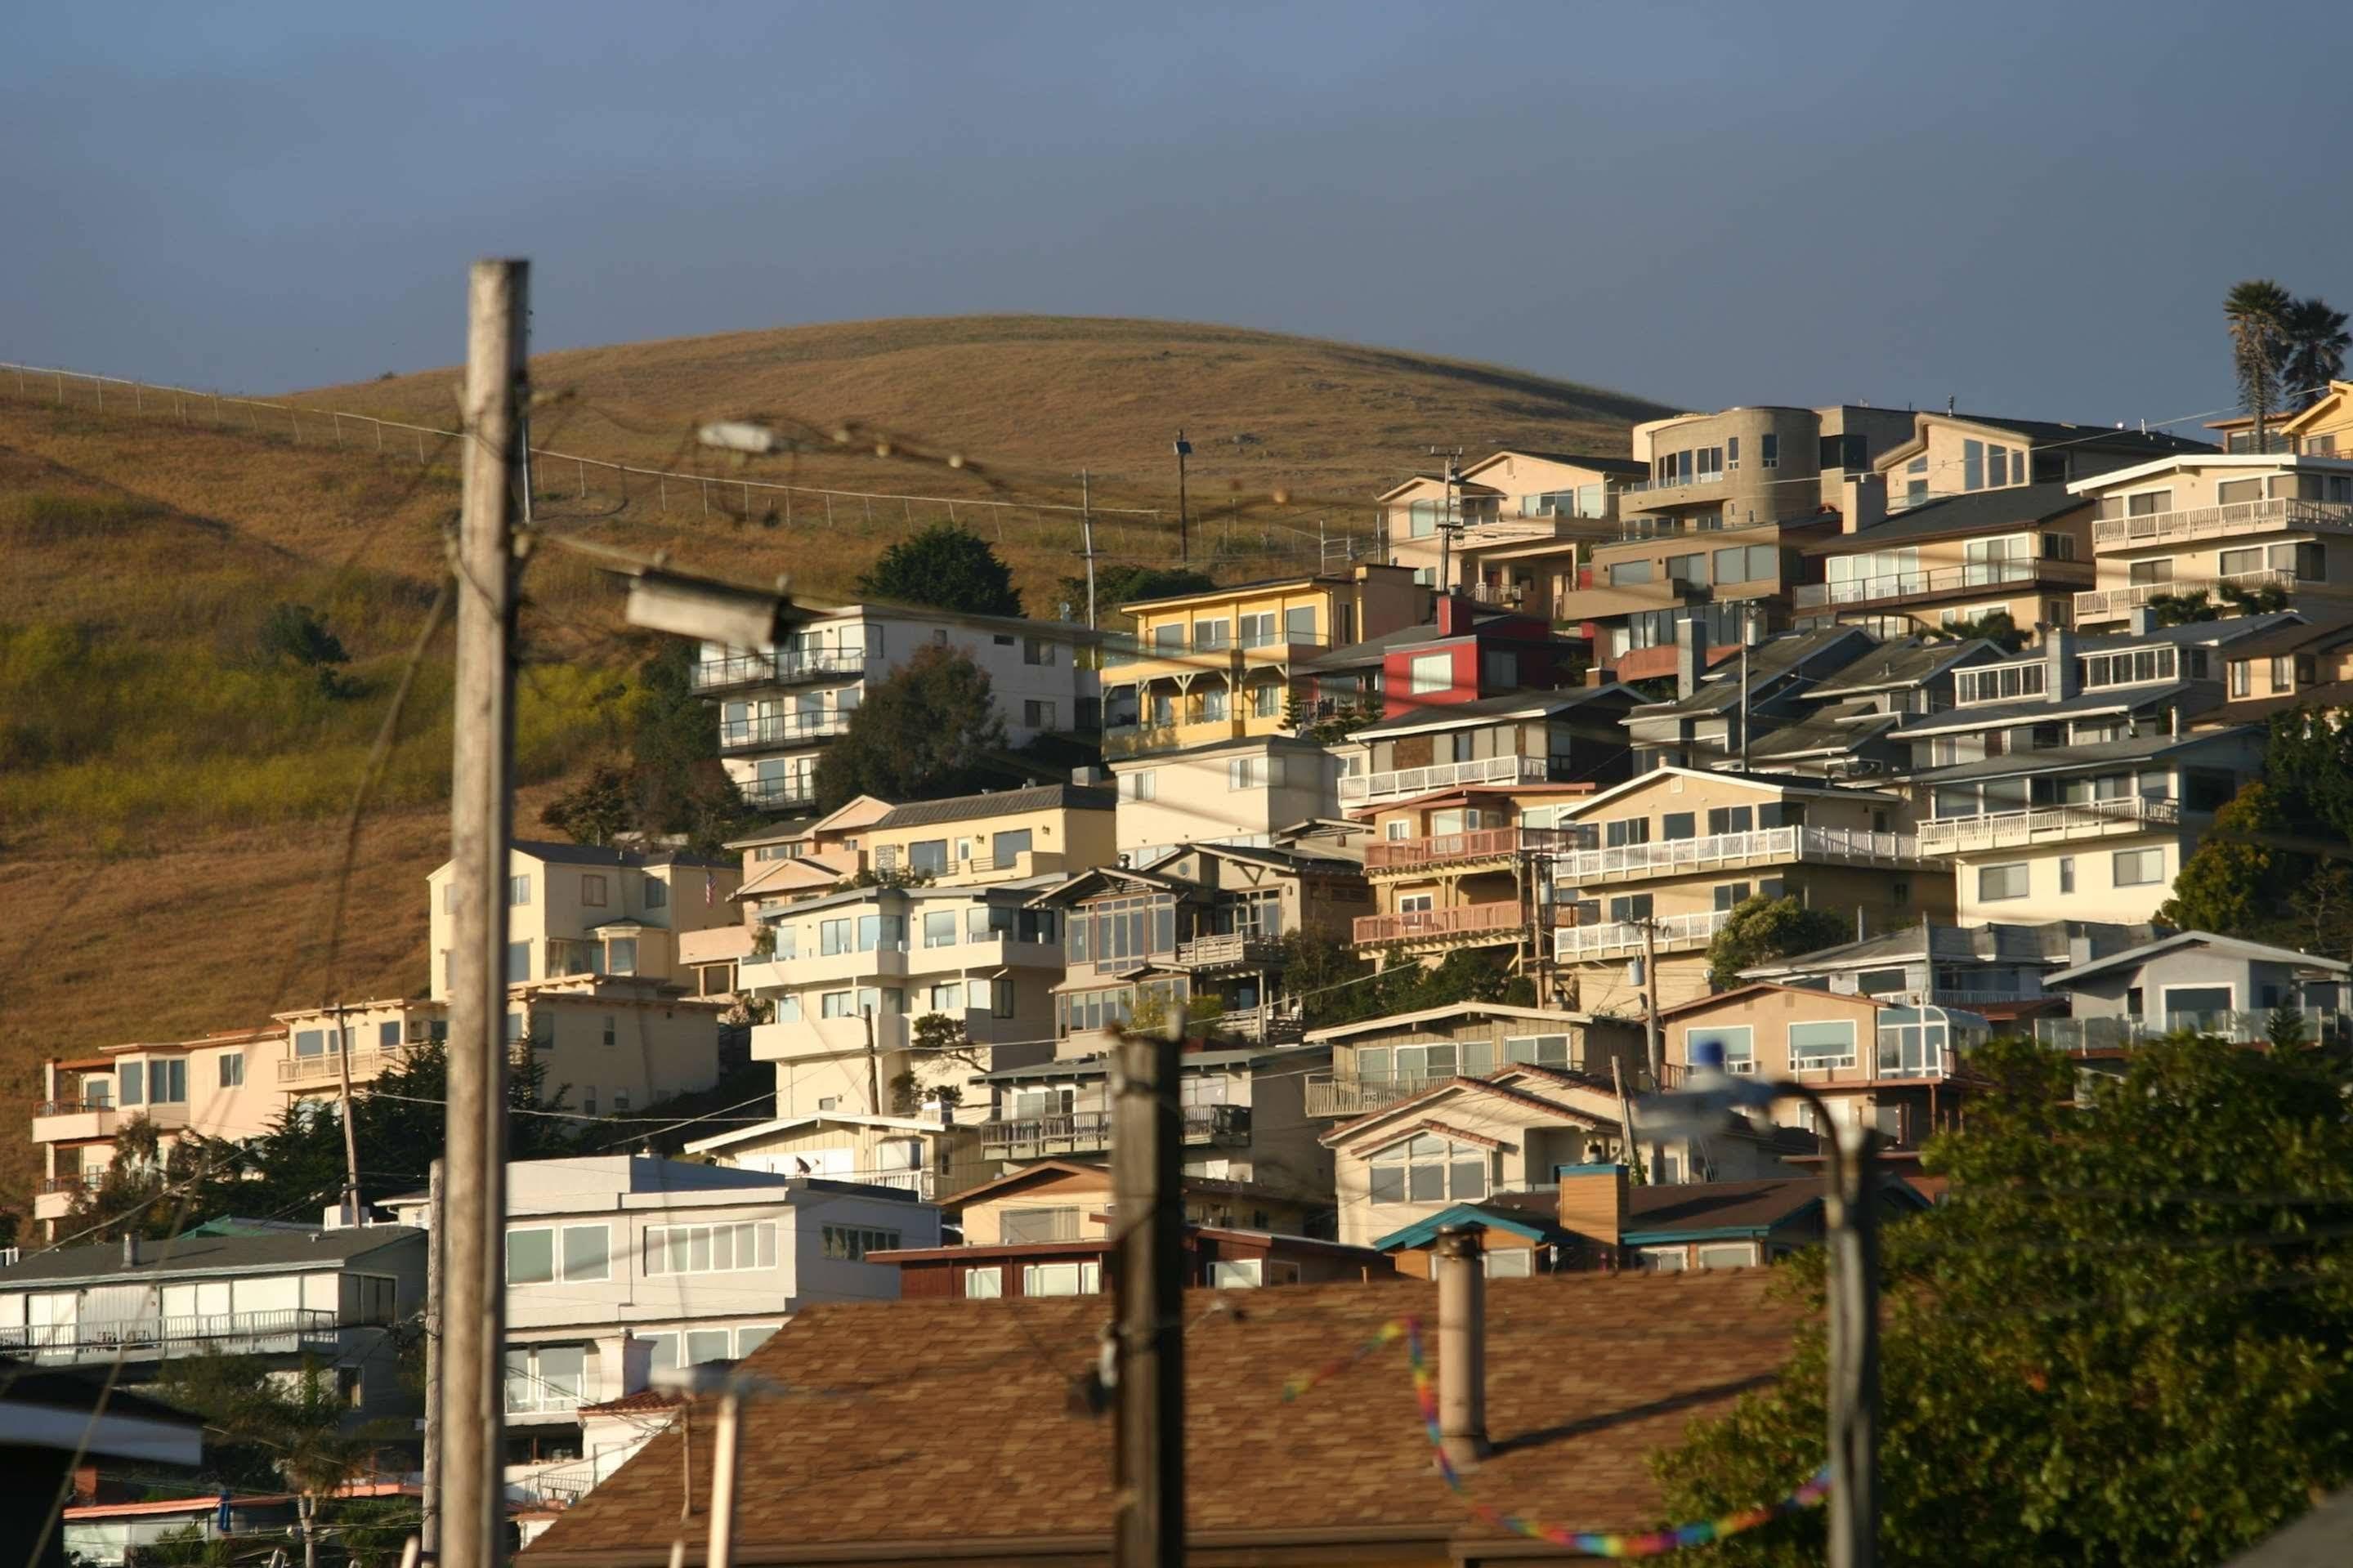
[[2234, 884], [929, 728], [1124, 585], [151, 1190], [2263, 599], [2256, 311], [2316, 342], [2126, 1338], [945, 565], [2183, 609], [1761, 929], [1996, 628], [595, 810], [297, 635]]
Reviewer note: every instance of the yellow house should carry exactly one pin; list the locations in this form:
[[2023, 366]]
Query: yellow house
[[2219, 525], [1677, 849], [1007, 836], [576, 909], [1219, 665], [2322, 428]]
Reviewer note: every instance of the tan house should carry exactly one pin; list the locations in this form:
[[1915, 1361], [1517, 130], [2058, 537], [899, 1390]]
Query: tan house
[[2218, 526], [2322, 428], [2021, 552], [573, 909], [1233, 792], [1376, 1061], [1875, 1061], [924, 1156], [1458, 869], [2299, 664], [1529, 508], [1063, 1200], [1223, 664], [1677, 849]]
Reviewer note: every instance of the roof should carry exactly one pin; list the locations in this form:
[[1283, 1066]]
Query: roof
[[972, 807], [1451, 1010], [2213, 457], [2309, 636], [1301, 579], [878, 1474], [1716, 1208], [2060, 759], [2223, 629], [557, 853], [1412, 1103], [821, 1119], [1789, 783], [1511, 705], [2328, 696], [1907, 661], [2052, 432], [1755, 986], [1767, 661], [1970, 716], [1979, 511], [1099, 1064], [266, 1252], [1996, 943], [645, 1401], [1574, 459], [2133, 957], [84, 1413]]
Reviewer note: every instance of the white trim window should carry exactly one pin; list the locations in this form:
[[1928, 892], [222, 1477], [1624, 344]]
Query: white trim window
[[2011, 880], [546, 1377], [1430, 672], [1738, 1042], [1731, 1255], [2139, 868], [1427, 1169], [1062, 1278], [1510, 1262], [710, 1248], [1665, 1259], [984, 1284], [851, 1243], [546, 1254], [1538, 1050], [1827, 1044]]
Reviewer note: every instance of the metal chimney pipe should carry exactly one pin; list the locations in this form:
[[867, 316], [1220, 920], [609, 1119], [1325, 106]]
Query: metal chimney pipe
[[1462, 1346]]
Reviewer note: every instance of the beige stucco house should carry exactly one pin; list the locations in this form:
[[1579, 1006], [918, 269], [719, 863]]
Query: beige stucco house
[[2211, 523], [1375, 1061], [574, 909]]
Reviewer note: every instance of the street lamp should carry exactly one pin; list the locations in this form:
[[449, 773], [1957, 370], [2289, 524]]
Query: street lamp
[[1851, 1223]]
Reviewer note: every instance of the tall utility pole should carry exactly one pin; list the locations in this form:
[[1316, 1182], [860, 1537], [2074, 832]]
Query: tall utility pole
[[471, 1391], [874, 1064], [1656, 1042], [429, 1528], [1851, 1220], [1184, 518], [1446, 522], [351, 1203], [1087, 539], [1148, 1135]]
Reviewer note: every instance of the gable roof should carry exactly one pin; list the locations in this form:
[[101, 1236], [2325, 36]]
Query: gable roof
[[1905, 661], [1510, 705], [1755, 986], [1570, 459], [1451, 1010], [2261, 952], [1774, 659], [1003, 802], [1785, 784], [1341, 1474], [266, 1252], [2057, 433], [1975, 511], [820, 1119], [1417, 1103]]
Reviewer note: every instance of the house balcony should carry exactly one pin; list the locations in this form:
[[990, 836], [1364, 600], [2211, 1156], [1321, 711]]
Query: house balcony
[[780, 794], [2244, 1027], [981, 868], [2116, 604], [1264, 1027], [1668, 491], [1973, 578], [743, 672], [65, 1120], [1404, 783], [1482, 846], [282, 1331], [1090, 1132], [1343, 1094], [1231, 951], [2280, 514], [1502, 921], [1766, 846], [771, 732], [2048, 824], [53, 1197], [1622, 938], [367, 1061]]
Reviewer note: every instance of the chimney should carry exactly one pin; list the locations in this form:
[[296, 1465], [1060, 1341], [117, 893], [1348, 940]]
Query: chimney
[[1454, 615], [130, 1252], [1687, 657], [2060, 681], [1593, 1206], [2144, 620], [1462, 1346]]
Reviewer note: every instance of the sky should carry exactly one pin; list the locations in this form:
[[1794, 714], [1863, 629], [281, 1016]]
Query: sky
[[2035, 209]]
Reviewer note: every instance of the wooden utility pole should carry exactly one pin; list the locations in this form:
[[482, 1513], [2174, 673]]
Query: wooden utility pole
[[1087, 539], [429, 1526], [351, 1206], [1183, 516], [471, 1391], [1851, 1227], [1651, 1038], [1148, 1135], [873, 1065]]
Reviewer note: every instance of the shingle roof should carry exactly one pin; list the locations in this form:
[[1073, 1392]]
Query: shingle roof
[[590, 854], [1769, 660], [2060, 759], [1512, 704], [1718, 1205], [971, 808], [208, 1255], [2035, 710], [2226, 629], [2001, 942], [1903, 662], [2154, 442], [1979, 511], [951, 1420]]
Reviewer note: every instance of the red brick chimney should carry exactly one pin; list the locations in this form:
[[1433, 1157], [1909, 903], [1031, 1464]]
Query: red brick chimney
[[1454, 615]]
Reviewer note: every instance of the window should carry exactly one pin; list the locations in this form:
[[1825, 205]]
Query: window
[[545, 1377], [1726, 819], [518, 889], [167, 1081], [1627, 572], [518, 962], [1830, 1044], [1210, 635], [1266, 700], [1431, 672], [1688, 569], [947, 997], [1141, 784], [1667, 1259], [1037, 650], [232, 1069], [1738, 1043], [1062, 1278], [1741, 1257], [1256, 630], [1677, 825], [1429, 1169], [2148, 503], [1038, 715], [1029, 1225], [1254, 773], [2001, 882], [708, 1248], [1731, 895], [984, 1284], [530, 1257], [2002, 683], [1745, 563], [1531, 1051], [1510, 1262], [1769, 449], [582, 1251], [2139, 868], [2067, 873], [853, 1242], [588, 1252], [1168, 638], [592, 889]]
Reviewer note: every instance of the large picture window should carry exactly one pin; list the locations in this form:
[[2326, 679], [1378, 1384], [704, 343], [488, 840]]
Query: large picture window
[[710, 1248], [1429, 1169], [1825, 1045], [1739, 1046], [542, 1255]]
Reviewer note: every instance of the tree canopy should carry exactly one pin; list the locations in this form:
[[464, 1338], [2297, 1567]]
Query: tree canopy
[[945, 565], [1126, 582], [929, 728], [2127, 1337], [1336, 986], [1762, 929], [2276, 863]]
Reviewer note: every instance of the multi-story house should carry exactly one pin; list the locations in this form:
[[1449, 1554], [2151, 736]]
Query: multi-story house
[[2301, 664], [1664, 860], [1245, 793], [1204, 921], [1464, 867], [1375, 1061], [617, 1266], [930, 1158], [1954, 454], [779, 706], [1844, 725], [2022, 551], [573, 909], [1996, 971], [1244, 1117], [1516, 519], [1719, 717], [1520, 738], [2322, 428], [2222, 986], [1711, 535], [1876, 1062], [286, 1294], [847, 977], [2217, 526], [1224, 665], [1468, 653], [2068, 781]]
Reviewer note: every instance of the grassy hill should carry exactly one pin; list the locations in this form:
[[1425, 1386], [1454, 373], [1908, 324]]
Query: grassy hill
[[171, 795]]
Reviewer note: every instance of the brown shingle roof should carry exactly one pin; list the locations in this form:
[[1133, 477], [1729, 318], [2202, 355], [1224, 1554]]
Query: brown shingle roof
[[910, 1424]]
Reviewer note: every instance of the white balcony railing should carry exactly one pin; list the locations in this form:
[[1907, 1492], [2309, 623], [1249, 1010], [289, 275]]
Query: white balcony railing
[[1768, 845], [1613, 939], [2107, 604], [2045, 824], [2245, 1028], [1646, 487], [279, 1331], [2275, 515], [795, 728], [1446, 776], [1942, 580]]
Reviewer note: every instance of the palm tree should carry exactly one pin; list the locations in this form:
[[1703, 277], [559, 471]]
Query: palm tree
[[2257, 310], [2316, 343]]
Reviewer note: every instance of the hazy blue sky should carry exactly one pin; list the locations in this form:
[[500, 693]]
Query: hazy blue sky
[[2034, 208]]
